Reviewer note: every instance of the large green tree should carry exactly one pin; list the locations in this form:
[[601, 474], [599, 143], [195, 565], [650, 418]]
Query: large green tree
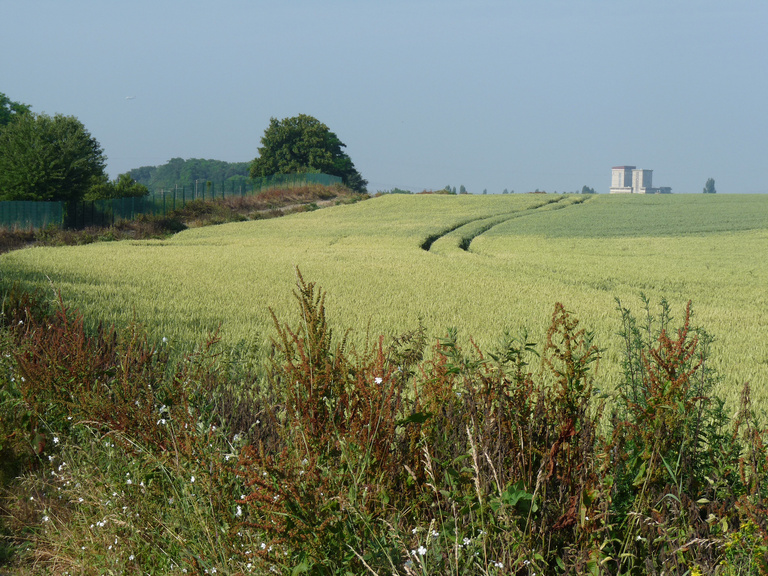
[[304, 144], [48, 158], [709, 187], [10, 110]]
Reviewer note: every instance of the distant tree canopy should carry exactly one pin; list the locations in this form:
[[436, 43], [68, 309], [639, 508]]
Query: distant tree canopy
[[178, 171], [304, 144], [9, 110], [709, 187], [587, 190], [48, 158], [123, 187]]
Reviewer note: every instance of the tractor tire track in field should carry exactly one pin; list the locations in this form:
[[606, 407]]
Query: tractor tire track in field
[[492, 221], [558, 204]]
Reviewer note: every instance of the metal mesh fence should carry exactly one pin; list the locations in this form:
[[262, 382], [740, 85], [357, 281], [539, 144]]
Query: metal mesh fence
[[35, 215]]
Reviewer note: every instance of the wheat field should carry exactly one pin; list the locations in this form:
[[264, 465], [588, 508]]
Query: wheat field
[[483, 264]]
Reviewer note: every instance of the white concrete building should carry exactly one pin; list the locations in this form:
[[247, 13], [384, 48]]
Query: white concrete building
[[631, 180]]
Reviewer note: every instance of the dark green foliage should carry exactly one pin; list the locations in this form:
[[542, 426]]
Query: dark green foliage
[[48, 158], [123, 187], [709, 187], [180, 172], [10, 110], [304, 144], [587, 190]]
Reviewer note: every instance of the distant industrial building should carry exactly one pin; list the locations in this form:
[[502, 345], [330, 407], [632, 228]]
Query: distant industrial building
[[631, 180]]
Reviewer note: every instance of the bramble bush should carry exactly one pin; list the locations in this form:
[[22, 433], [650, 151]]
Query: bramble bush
[[397, 458]]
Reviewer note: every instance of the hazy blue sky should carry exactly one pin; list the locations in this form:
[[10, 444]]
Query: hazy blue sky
[[489, 94]]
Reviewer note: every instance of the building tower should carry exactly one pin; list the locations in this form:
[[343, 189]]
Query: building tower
[[621, 179], [642, 182]]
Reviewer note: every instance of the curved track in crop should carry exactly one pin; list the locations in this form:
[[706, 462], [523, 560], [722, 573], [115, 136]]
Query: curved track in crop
[[475, 227]]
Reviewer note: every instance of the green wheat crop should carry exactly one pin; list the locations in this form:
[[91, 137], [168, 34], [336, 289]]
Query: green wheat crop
[[494, 264]]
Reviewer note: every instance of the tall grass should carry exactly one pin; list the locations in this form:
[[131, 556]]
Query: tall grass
[[399, 456]]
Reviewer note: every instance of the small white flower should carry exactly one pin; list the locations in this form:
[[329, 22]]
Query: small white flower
[[55, 439], [239, 512], [45, 518], [378, 380], [165, 340], [161, 422], [435, 533], [192, 480], [422, 550], [131, 557]]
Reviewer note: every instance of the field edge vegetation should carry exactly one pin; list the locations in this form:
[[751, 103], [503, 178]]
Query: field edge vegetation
[[270, 203], [397, 457]]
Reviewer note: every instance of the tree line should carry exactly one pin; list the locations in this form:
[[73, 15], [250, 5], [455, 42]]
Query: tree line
[[55, 158]]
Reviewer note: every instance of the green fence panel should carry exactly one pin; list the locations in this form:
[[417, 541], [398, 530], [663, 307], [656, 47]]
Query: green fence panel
[[18, 214]]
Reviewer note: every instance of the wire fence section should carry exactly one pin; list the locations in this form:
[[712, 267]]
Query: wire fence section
[[28, 215]]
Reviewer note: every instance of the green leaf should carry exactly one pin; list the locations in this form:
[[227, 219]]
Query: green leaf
[[416, 417], [640, 477]]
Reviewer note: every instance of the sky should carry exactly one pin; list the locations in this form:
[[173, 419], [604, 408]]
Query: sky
[[489, 94]]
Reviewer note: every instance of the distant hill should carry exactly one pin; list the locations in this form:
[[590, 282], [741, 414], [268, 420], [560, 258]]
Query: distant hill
[[178, 171]]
